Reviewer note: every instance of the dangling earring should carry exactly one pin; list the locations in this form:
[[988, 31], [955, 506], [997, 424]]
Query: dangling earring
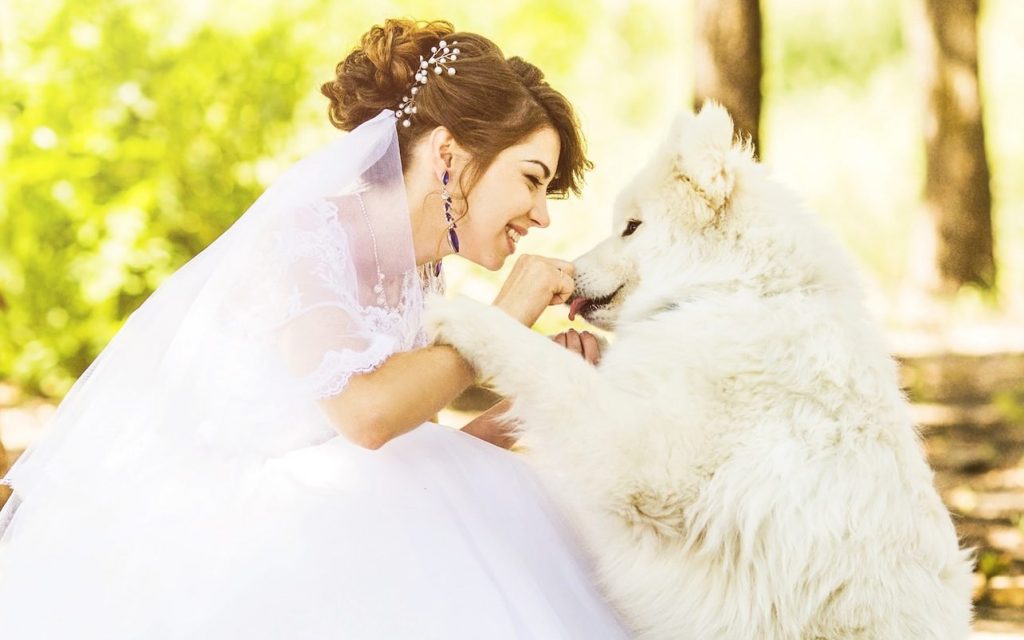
[[453, 238]]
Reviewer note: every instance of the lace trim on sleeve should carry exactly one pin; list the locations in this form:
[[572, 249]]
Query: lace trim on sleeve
[[338, 366]]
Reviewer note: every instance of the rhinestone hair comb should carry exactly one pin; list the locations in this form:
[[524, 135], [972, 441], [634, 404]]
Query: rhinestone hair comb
[[440, 60]]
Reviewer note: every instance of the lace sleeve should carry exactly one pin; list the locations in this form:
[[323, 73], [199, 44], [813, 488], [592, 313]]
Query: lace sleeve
[[328, 332], [227, 356]]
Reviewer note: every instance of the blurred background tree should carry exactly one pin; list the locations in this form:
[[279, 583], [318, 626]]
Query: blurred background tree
[[955, 234], [728, 60]]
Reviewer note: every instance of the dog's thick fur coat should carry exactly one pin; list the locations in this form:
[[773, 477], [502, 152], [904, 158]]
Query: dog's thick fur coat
[[742, 462]]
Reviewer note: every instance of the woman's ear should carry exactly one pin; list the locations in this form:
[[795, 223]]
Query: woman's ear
[[441, 147]]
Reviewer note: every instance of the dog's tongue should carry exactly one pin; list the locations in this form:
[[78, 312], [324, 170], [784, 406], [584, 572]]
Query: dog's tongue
[[574, 306]]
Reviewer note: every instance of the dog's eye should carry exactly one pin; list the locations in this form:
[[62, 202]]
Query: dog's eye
[[630, 228]]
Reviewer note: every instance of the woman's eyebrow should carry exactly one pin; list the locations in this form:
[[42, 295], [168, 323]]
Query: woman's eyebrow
[[547, 171]]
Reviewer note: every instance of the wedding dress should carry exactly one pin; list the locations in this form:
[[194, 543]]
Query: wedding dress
[[190, 484]]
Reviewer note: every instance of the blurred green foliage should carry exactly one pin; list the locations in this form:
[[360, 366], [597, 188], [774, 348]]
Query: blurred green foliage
[[129, 155], [833, 43], [132, 134]]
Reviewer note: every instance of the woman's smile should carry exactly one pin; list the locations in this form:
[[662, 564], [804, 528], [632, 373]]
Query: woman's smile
[[512, 235]]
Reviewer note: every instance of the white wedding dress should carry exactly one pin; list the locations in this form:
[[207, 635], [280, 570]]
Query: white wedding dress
[[191, 486]]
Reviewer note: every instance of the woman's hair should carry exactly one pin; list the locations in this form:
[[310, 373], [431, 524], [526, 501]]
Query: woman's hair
[[490, 104]]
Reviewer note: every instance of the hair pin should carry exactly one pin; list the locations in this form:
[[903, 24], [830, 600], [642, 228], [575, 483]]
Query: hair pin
[[440, 60]]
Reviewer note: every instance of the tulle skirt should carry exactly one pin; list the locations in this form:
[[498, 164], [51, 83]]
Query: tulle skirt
[[434, 535]]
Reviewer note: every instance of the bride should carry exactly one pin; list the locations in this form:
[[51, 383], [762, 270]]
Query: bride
[[253, 456]]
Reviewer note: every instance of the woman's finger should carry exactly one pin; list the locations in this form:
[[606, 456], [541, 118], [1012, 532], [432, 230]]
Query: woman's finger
[[584, 343], [591, 348], [574, 341], [565, 284], [564, 265]]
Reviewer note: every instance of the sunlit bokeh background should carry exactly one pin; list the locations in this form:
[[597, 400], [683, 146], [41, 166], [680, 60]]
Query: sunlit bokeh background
[[133, 133]]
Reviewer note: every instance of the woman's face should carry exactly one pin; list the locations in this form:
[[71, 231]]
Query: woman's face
[[509, 199]]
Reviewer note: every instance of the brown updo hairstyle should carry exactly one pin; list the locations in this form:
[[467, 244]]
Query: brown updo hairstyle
[[490, 104]]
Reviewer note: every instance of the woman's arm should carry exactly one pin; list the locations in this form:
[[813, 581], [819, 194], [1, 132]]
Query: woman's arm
[[406, 390], [410, 387], [487, 426]]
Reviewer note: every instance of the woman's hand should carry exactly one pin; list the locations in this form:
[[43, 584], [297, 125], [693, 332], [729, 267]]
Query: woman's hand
[[535, 283], [584, 343]]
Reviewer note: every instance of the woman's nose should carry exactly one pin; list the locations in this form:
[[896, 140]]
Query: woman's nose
[[539, 215]]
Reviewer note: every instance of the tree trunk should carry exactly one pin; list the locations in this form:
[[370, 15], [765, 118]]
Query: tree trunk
[[728, 60], [957, 196]]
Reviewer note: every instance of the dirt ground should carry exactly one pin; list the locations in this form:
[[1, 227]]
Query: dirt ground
[[971, 412]]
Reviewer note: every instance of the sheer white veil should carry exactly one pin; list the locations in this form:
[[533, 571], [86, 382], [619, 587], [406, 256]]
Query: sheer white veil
[[226, 360]]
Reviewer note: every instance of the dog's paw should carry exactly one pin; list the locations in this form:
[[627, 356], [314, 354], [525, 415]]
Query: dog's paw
[[456, 321], [436, 316]]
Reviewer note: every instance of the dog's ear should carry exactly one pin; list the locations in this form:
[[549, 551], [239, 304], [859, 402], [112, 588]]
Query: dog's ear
[[705, 156]]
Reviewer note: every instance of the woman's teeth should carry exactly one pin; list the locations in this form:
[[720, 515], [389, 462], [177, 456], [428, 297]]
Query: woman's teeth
[[512, 234]]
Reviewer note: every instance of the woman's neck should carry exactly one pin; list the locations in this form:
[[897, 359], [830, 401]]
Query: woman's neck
[[426, 218]]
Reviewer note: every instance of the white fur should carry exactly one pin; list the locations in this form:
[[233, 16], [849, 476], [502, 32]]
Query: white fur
[[742, 462]]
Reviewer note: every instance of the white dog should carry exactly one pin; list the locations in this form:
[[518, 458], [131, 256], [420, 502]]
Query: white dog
[[742, 461]]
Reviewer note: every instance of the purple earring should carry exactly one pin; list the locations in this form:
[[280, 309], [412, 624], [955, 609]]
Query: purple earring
[[453, 238]]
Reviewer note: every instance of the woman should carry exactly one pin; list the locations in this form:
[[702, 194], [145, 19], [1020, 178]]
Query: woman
[[251, 456]]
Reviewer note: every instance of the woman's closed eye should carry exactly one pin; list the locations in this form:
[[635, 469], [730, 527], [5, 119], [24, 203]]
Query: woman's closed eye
[[534, 180]]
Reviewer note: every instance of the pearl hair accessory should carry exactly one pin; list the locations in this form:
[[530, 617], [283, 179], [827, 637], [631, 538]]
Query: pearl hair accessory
[[440, 59]]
